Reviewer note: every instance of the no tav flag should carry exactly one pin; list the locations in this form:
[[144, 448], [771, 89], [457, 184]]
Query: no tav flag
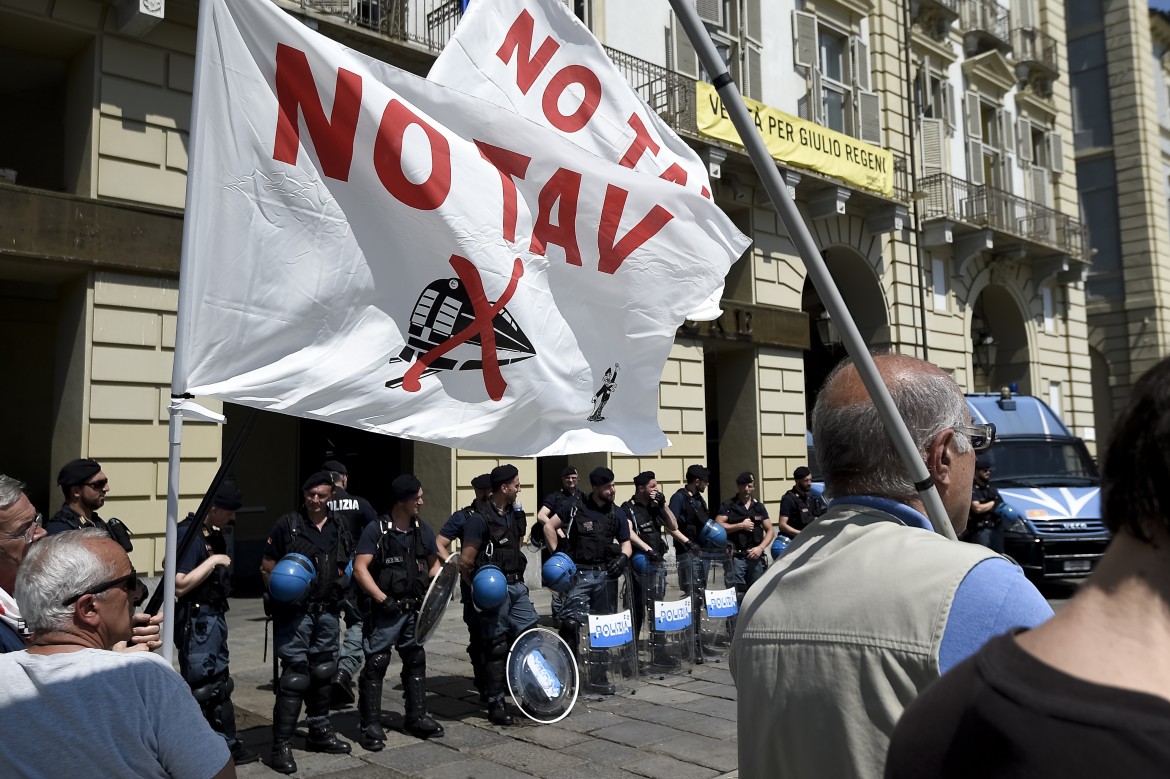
[[371, 249]]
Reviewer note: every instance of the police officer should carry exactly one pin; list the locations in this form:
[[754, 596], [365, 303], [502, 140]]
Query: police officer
[[598, 541], [202, 585], [650, 522], [482, 487], [494, 535], [749, 534], [799, 506], [983, 524], [548, 507], [84, 486], [690, 509], [356, 512], [306, 633], [396, 558]]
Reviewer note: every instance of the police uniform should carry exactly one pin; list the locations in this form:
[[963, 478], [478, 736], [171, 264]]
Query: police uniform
[[800, 509], [739, 570], [72, 474], [594, 538], [356, 513], [499, 538], [650, 524], [306, 634], [691, 513], [453, 529], [401, 570], [985, 529], [201, 622]]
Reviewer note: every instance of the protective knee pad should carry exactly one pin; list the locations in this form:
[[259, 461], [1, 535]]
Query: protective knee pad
[[229, 686], [205, 693], [414, 662], [378, 663], [294, 679], [322, 666], [497, 649]]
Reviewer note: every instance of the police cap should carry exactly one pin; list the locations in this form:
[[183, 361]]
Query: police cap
[[600, 476], [334, 466], [316, 480], [745, 478], [405, 487], [482, 482], [77, 472], [698, 473], [228, 497], [502, 474], [570, 470]]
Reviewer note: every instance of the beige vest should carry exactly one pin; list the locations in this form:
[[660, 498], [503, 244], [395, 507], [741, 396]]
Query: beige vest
[[837, 639]]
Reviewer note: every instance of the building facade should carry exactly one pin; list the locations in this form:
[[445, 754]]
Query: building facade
[[975, 240]]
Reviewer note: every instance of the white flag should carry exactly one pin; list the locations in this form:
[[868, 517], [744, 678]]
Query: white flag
[[536, 58], [364, 247]]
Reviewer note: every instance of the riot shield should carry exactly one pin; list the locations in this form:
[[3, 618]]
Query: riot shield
[[434, 604], [542, 676], [719, 611], [665, 629], [609, 654]]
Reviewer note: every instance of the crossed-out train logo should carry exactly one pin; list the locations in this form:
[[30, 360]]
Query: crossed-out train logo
[[672, 615], [611, 629], [721, 603], [454, 327]]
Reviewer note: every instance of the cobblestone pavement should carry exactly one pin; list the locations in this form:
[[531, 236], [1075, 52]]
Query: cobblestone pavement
[[678, 726]]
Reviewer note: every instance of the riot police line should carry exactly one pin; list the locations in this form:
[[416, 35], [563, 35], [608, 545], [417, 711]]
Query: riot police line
[[619, 619]]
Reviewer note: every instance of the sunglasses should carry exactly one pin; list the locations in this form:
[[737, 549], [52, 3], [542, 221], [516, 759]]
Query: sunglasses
[[981, 436], [97, 484], [26, 535], [135, 588]]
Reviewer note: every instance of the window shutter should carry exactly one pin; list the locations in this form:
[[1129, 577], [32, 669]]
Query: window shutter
[[686, 61], [869, 111], [1025, 14], [755, 72], [975, 162], [860, 65], [949, 98], [974, 119], [1024, 136], [753, 28], [924, 78], [817, 99], [711, 12], [1056, 152], [932, 146], [804, 34], [1007, 131], [1039, 185]]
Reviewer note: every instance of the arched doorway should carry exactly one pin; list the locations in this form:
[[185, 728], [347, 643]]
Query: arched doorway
[[999, 343], [864, 298]]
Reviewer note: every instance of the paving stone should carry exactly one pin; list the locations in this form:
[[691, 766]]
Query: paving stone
[[530, 758], [665, 767], [711, 752], [586, 720], [552, 736], [416, 758], [636, 734], [451, 708], [473, 768], [595, 771], [320, 764], [662, 695], [468, 738], [714, 707]]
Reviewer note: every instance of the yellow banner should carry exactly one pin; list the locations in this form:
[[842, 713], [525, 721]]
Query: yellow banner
[[801, 143]]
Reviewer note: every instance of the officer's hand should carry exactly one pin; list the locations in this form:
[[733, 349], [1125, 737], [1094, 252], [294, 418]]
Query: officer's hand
[[754, 553], [653, 556], [389, 607], [687, 547], [220, 559], [617, 566]]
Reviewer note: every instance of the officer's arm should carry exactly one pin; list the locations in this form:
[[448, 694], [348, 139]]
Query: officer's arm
[[434, 565], [982, 507], [550, 531], [544, 513], [722, 520], [786, 507], [636, 541], [627, 549], [769, 536], [365, 580], [444, 545], [467, 560], [266, 566], [185, 582]]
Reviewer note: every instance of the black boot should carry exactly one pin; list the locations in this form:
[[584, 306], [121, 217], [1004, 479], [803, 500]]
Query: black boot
[[284, 727], [498, 714], [598, 681], [418, 723], [241, 755], [323, 739], [341, 691], [370, 707]]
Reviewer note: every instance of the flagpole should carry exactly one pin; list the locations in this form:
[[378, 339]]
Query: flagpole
[[817, 270], [179, 365]]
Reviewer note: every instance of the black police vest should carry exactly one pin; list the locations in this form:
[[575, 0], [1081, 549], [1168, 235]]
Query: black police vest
[[505, 548], [694, 515], [330, 576], [401, 569], [593, 542], [647, 527], [215, 589], [743, 540]]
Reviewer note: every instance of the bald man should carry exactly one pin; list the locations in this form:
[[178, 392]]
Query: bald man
[[869, 605]]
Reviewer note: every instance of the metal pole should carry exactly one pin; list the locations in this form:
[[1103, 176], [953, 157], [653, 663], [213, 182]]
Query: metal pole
[[170, 555], [817, 270]]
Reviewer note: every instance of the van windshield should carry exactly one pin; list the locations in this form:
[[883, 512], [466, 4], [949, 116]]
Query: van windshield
[[1042, 464]]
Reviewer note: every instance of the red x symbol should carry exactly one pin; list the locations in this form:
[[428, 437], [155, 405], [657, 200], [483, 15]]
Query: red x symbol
[[481, 325]]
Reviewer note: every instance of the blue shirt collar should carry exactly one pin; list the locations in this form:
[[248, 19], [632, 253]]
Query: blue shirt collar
[[903, 513]]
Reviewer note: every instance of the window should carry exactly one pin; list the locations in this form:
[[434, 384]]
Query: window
[[934, 99], [836, 64], [938, 277], [738, 41], [1049, 309], [989, 141]]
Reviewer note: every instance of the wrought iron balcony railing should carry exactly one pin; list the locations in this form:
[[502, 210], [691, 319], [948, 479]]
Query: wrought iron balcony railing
[[983, 206], [987, 19], [1035, 47]]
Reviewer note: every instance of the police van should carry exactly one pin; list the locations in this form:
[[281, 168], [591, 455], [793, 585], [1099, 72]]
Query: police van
[[1046, 473]]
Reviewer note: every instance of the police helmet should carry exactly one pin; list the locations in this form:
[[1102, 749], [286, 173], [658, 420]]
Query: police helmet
[[291, 578], [641, 562], [779, 545], [713, 534], [489, 587], [557, 572], [1008, 513]]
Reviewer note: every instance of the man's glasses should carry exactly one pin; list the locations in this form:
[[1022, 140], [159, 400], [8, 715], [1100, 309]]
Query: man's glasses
[[981, 436], [135, 588], [28, 532], [97, 484]]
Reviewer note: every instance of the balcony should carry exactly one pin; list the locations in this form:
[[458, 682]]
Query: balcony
[[1036, 58], [426, 23], [934, 17], [985, 26], [973, 219]]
